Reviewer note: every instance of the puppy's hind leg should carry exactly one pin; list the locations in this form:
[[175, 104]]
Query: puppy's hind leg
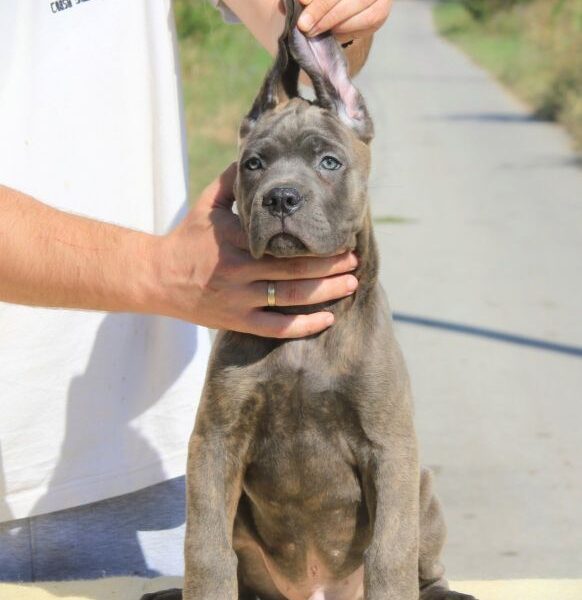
[[433, 585]]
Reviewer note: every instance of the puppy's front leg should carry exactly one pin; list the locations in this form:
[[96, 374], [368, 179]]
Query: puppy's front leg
[[214, 486], [391, 560]]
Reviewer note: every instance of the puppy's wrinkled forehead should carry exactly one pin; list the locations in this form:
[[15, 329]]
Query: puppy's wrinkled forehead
[[337, 101], [297, 127]]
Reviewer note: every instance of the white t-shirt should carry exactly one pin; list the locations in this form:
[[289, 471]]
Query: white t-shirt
[[93, 405]]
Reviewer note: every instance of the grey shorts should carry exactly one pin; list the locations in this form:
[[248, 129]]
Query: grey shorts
[[136, 534]]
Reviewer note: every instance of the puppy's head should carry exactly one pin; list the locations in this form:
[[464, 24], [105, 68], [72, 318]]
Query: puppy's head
[[303, 166]]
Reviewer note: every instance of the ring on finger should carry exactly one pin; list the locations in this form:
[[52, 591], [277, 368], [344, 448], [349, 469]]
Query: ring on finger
[[271, 298]]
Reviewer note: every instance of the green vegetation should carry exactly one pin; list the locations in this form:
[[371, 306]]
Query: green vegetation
[[222, 68], [533, 46], [484, 9], [392, 220]]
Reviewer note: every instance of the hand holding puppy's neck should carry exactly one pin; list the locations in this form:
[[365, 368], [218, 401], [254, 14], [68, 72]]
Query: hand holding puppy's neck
[[366, 272]]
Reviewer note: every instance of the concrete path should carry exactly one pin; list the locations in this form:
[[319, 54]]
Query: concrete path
[[116, 588], [479, 222]]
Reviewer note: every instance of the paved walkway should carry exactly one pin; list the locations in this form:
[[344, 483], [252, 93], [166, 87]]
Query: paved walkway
[[117, 588], [479, 222]]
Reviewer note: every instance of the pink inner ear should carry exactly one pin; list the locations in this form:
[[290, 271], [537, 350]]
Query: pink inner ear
[[323, 53]]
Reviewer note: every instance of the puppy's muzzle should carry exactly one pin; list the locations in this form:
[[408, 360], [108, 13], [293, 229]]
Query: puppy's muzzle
[[283, 201]]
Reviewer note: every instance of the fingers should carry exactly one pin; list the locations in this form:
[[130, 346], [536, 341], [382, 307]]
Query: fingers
[[313, 12], [340, 12], [343, 16], [276, 325], [366, 22], [280, 269], [304, 291]]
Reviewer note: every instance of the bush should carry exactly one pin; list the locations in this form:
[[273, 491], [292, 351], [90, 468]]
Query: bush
[[484, 9], [556, 29], [195, 19], [534, 46]]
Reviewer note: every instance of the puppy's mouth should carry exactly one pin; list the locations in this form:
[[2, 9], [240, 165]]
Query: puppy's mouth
[[299, 235], [285, 244]]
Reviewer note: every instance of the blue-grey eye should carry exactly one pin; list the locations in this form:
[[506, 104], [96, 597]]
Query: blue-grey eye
[[330, 163], [253, 164]]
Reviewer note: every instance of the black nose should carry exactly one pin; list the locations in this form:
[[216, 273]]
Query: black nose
[[282, 201]]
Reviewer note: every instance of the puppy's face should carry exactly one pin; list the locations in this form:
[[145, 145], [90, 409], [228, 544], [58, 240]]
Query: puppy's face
[[303, 166], [301, 183]]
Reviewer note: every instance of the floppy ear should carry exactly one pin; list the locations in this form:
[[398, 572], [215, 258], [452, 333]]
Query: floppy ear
[[281, 81], [323, 60]]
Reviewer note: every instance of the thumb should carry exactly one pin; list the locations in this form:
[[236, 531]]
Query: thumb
[[219, 193], [218, 196], [235, 234]]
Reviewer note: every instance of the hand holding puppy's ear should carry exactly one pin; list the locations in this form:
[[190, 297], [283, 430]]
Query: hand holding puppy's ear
[[324, 62], [344, 18]]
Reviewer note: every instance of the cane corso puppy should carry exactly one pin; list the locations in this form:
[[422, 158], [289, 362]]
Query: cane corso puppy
[[303, 475]]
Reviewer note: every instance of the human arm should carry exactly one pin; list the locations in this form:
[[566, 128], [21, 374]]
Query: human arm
[[199, 272], [349, 20], [56, 259]]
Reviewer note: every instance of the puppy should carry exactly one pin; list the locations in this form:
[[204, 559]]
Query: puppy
[[303, 475]]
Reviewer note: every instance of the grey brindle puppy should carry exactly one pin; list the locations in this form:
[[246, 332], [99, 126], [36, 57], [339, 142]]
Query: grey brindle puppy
[[303, 475]]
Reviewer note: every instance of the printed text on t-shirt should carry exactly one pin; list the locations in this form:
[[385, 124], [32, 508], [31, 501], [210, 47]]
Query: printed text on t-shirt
[[61, 5]]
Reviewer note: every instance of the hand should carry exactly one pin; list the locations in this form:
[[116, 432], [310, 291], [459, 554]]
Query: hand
[[208, 276], [347, 19]]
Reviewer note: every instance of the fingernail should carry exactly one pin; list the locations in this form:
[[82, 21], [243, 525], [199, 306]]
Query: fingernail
[[353, 260], [329, 319], [305, 22], [352, 283]]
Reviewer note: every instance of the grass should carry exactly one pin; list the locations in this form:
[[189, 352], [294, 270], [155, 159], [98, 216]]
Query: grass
[[534, 48], [392, 220], [222, 69]]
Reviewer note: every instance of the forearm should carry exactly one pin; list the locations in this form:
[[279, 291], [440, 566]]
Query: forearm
[[55, 259], [265, 20], [200, 272], [357, 53]]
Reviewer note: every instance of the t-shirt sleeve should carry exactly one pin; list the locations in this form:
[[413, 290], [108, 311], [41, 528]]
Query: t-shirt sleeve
[[227, 14]]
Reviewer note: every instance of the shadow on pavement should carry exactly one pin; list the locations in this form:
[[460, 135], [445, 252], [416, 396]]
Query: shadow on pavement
[[492, 334], [492, 117]]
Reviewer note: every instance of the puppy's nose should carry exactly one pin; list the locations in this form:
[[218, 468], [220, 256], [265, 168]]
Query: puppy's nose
[[282, 201]]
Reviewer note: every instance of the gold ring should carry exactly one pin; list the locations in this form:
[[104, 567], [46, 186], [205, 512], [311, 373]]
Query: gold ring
[[271, 294]]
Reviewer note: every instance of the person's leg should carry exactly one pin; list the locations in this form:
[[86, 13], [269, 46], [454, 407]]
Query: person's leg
[[15, 551], [136, 534]]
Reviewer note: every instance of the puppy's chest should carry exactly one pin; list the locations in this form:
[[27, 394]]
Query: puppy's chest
[[306, 423], [301, 488], [301, 481], [303, 390]]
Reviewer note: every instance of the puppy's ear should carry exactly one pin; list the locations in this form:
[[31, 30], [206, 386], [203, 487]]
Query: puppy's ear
[[323, 60], [281, 81]]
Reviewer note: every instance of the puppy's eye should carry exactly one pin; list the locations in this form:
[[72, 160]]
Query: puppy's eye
[[253, 164], [330, 163]]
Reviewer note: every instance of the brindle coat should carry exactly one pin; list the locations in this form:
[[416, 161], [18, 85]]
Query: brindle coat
[[303, 475]]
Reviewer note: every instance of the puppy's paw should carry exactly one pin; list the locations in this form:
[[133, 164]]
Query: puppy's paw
[[173, 594]]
